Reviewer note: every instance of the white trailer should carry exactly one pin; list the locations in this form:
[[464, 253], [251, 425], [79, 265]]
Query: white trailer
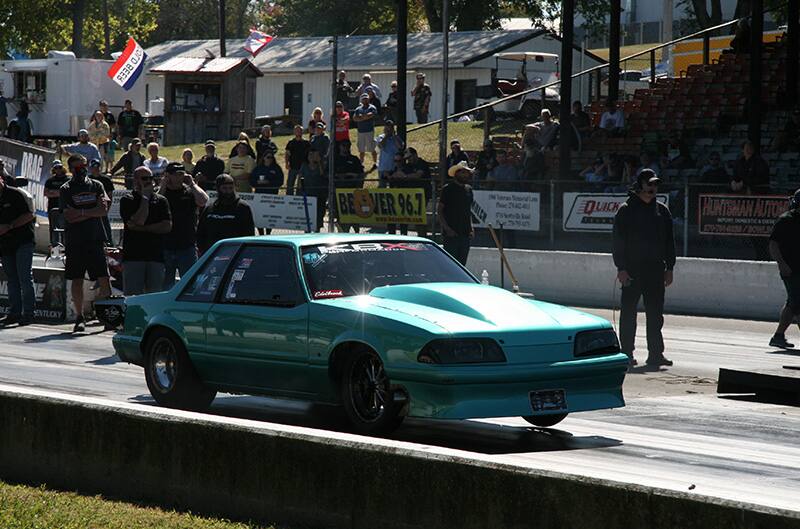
[[63, 91]]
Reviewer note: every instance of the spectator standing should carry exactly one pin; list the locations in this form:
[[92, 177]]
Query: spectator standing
[[397, 178], [391, 103], [102, 106], [612, 121], [374, 100], [422, 98], [296, 155], [751, 172], [456, 155], [644, 254], [265, 144], [267, 177], [547, 130], [364, 116], [487, 160], [316, 117], [187, 158], [100, 134], [227, 217], [52, 191], [108, 187], [243, 137], [418, 174], [129, 124], [366, 82], [21, 127], [3, 114], [84, 203], [391, 146], [581, 124], [341, 123], [240, 166], [314, 180], [321, 143], [83, 147], [208, 167], [348, 173], [16, 254], [455, 212], [180, 243], [157, 164], [344, 92], [147, 220], [784, 249], [129, 161]]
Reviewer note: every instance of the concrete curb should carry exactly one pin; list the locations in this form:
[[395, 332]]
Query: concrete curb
[[250, 470], [704, 287]]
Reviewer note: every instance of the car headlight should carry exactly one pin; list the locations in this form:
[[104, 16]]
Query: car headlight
[[596, 343], [464, 351]]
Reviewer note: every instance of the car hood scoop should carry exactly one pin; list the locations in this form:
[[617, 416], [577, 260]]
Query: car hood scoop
[[494, 306]]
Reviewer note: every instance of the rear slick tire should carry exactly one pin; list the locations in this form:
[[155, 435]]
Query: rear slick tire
[[545, 421], [367, 396], [170, 375]]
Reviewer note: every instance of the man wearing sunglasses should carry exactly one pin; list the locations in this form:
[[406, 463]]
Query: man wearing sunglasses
[[644, 254], [84, 203]]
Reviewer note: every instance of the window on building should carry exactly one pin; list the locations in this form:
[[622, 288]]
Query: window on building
[[31, 86], [188, 97]]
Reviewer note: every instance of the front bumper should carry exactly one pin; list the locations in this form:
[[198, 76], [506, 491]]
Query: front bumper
[[504, 391], [128, 348]]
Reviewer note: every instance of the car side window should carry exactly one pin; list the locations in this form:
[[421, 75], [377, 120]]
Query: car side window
[[264, 275], [203, 286]]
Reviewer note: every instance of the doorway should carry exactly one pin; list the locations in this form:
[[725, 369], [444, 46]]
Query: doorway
[[293, 99]]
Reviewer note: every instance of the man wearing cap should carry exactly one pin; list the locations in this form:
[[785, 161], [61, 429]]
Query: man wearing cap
[[180, 244], [455, 212], [16, 253], [366, 82], [422, 98], [129, 161], [784, 249], [83, 147], [240, 166], [644, 254], [321, 143], [456, 155], [265, 144], [364, 116], [108, 187], [147, 220], [208, 167], [52, 190], [227, 217], [390, 144]]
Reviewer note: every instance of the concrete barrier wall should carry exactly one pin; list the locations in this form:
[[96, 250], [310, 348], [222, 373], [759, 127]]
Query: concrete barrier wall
[[708, 287], [306, 478]]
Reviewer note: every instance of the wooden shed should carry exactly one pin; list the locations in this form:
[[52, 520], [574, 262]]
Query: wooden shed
[[207, 98]]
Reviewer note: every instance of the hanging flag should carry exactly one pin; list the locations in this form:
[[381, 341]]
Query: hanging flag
[[256, 41], [130, 65]]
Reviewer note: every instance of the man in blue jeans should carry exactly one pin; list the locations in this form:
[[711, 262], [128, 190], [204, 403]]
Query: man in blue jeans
[[180, 244], [16, 253]]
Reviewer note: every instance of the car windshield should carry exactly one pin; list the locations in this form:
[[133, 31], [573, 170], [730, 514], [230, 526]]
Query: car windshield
[[352, 269]]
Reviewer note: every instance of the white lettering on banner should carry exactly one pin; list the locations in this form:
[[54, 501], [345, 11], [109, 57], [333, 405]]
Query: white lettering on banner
[[514, 211], [595, 211]]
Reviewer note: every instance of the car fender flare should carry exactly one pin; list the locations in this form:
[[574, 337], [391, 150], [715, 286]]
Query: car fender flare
[[166, 321]]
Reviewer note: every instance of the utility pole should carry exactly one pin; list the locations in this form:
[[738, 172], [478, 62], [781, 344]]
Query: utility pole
[[332, 151], [443, 121], [106, 30], [613, 50], [754, 97], [564, 116], [402, 64], [222, 52]]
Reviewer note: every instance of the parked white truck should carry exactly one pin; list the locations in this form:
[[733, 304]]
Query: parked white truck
[[63, 91]]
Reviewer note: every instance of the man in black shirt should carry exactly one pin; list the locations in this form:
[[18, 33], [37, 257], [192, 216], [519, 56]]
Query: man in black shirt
[[264, 143], [84, 204], [784, 248], [16, 253], [456, 155], [147, 219], [108, 187], [455, 212], [227, 217], [180, 244], [128, 124], [348, 172], [52, 190], [208, 167], [130, 160], [296, 155], [644, 254]]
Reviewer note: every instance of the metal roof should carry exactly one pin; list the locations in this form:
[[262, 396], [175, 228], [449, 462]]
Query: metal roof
[[202, 65], [361, 51]]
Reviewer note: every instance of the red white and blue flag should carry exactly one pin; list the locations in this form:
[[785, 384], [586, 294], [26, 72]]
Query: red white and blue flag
[[130, 65], [256, 41]]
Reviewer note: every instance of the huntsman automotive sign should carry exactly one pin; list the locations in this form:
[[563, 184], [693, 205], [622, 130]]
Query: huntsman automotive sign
[[595, 211]]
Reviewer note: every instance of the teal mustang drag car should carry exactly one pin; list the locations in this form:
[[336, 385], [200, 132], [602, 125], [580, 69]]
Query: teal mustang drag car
[[387, 327]]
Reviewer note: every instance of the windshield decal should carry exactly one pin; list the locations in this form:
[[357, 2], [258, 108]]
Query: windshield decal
[[373, 247], [325, 294]]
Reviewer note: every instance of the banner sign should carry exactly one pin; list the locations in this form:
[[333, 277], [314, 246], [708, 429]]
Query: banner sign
[[286, 212], [514, 211], [381, 206], [29, 161], [594, 212], [50, 289], [129, 66], [742, 215]]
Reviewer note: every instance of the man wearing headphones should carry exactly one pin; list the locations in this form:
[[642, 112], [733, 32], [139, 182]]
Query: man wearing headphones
[[784, 249], [644, 254]]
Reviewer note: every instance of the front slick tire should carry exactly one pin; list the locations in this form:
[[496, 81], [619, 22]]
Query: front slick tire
[[545, 421], [367, 396], [171, 377]]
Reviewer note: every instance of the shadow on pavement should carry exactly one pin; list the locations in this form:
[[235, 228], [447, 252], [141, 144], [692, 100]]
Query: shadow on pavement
[[108, 360], [66, 335]]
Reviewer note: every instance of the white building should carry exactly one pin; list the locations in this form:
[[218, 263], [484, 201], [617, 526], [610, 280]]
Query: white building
[[298, 75]]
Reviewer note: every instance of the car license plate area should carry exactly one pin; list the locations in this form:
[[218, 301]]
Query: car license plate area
[[548, 400]]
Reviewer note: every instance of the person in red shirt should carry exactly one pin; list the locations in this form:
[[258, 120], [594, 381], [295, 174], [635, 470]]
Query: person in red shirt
[[341, 123]]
